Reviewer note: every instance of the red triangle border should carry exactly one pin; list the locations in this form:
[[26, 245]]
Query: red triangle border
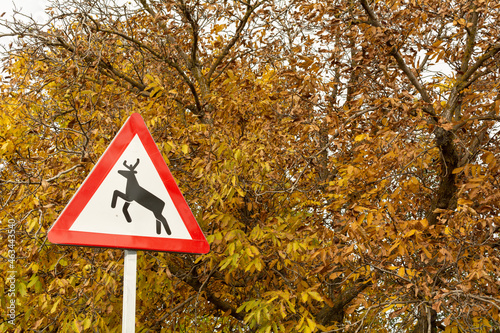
[[60, 232]]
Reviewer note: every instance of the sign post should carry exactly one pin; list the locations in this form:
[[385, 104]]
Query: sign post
[[130, 201], [129, 291]]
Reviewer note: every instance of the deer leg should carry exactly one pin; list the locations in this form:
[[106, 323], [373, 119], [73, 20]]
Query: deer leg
[[115, 197], [160, 218], [117, 194], [125, 211]]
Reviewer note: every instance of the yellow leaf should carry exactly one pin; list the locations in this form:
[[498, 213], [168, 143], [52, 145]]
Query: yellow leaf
[[427, 253], [369, 218], [312, 324], [388, 308], [76, 326], [237, 154], [258, 264], [464, 202], [360, 137], [410, 233], [240, 192], [54, 307], [21, 288], [437, 43], [447, 126], [360, 209], [86, 323], [315, 295], [401, 272], [299, 324], [393, 247]]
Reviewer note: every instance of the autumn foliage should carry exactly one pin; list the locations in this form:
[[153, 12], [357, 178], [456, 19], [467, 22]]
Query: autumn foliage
[[342, 159]]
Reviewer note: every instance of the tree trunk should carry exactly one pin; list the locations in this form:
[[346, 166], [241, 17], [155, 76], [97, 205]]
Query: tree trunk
[[446, 193], [426, 321]]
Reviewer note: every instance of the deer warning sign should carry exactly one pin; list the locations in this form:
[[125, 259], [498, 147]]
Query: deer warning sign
[[131, 201]]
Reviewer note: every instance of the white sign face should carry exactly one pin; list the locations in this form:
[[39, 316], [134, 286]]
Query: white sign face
[[130, 200], [134, 183]]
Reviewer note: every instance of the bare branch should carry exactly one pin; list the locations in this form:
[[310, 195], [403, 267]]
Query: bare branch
[[400, 61], [194, 31], [167, 35], [236, 37], [489, 54], [471, 40]]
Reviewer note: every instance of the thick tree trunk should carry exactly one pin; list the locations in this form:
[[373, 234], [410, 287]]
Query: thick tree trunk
[[426, 322], [446, 194]]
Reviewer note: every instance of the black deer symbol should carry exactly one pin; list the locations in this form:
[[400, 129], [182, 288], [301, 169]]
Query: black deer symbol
[[134, 192]]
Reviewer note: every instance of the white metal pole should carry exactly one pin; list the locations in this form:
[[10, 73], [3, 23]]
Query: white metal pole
[[129, 289]]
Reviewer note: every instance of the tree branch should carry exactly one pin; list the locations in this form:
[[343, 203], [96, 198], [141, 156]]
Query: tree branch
[[194, 32], [335, 313], [192, 280], [169, 37], [471, 40], [401, 63], [237, 34], [491, 52]]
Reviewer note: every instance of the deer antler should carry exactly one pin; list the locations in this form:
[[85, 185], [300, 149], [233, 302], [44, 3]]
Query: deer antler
[[130, 167]]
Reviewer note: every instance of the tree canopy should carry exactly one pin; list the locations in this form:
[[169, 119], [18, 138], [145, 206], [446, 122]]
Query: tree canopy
[[341, 158]]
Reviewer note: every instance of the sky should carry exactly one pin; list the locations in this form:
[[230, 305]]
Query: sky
[[32, 7]]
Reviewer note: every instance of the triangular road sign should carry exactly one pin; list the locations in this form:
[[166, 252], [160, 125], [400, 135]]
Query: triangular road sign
[[130, 201]]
